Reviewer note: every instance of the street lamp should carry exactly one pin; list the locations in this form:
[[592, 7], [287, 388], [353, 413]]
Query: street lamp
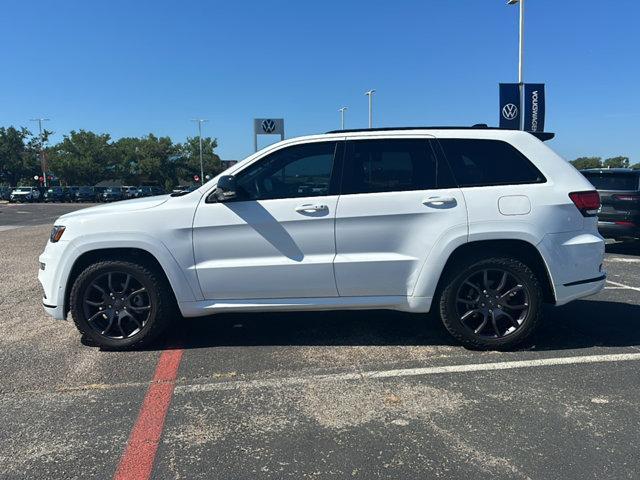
[[43, 164], [342, 110], [520, 50], [200, 122], [370, 95]]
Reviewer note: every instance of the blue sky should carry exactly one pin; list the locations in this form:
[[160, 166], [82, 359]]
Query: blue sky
[[132, 67]]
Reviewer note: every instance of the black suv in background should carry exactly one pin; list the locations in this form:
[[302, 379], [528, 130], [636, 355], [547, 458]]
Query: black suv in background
[[87, 194], [5, 193], [619, 190], [149, 191], [112, 194], [57, 194]]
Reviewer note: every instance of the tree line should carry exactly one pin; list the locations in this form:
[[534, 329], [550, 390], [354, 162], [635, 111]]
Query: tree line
[[597, 162], [86, 158]]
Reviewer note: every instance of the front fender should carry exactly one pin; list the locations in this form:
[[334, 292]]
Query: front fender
[[183, 281]]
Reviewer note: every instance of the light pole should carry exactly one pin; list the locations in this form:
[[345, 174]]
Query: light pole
[[520, 55], [370, 95], [200, 122], [342, 110], [43, 165]]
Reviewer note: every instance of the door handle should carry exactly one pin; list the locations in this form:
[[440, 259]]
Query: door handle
[[310, 208], [439, 201]]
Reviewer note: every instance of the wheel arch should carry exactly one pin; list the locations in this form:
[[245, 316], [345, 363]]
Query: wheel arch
[[132, 254], [521, 250]]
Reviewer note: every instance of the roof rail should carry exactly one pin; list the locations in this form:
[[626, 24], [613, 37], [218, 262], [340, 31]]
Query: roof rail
[[544, 136]]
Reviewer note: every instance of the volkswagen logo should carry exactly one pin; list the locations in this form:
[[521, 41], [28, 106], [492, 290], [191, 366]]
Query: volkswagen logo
[[509, 111], [268, 125]]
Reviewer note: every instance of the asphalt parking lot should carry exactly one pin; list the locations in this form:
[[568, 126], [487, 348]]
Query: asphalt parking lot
[[316, 395]]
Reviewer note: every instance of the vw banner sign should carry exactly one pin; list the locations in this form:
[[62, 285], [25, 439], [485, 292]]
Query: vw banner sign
[[534, 107], [510, 108], [267, 126]]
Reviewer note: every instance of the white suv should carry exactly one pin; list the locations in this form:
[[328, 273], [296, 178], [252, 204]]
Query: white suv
[[480, 225]]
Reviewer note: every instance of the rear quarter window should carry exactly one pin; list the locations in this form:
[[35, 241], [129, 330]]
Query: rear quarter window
[[613, 181], [477, 162]]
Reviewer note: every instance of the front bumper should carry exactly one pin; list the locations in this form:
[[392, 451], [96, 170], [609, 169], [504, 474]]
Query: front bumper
[[56, 312], [51, 277]]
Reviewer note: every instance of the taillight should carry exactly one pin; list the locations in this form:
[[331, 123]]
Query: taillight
[[626, 198], [587, 202]]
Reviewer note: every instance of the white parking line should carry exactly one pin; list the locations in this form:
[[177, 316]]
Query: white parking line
[[4, 228], [622, 285], [622, 260], [407, 372]]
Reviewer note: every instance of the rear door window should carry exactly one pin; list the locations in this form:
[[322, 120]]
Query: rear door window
[[478, 162], [392, 165], [613, 181]]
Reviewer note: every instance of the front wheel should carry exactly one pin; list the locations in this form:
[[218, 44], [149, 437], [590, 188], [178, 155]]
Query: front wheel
[[496, 303], [120, 304]]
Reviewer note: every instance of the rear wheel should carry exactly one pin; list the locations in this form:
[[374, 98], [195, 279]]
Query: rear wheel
[[496, 303], [120, 304]]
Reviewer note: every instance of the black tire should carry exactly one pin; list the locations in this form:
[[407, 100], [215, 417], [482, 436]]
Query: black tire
[[162, 306], [489, 338]]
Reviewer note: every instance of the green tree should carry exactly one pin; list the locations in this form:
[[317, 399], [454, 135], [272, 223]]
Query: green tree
[[16, 158], [126, 157], [587, 162], [189, 162], [82, 157], [636, 166], [157, 160], [616, 162]]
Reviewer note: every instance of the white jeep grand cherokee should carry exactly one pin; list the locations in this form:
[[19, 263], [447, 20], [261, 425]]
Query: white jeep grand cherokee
[[481, 225]]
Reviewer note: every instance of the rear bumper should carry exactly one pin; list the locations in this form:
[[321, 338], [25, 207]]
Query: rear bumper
[[575, 261], [615, 230]]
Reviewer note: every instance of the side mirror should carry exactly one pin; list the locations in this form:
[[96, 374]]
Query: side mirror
[[226, 188]]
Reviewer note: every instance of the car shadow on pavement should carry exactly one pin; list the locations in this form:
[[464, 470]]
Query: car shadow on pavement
[[580, 324]]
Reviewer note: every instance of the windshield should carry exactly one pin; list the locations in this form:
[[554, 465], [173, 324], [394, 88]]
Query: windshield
[[613, 181], [112, 190]]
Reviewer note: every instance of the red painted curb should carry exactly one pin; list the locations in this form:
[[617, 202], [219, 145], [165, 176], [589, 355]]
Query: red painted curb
[[137, 461]]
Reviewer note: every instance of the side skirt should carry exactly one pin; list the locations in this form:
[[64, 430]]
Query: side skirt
[[209, 307]]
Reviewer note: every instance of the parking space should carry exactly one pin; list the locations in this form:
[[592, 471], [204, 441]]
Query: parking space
[[14, 215], [316, 395]]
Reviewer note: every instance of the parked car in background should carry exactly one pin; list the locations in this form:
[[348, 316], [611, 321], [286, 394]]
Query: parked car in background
[[57, 194], [619, 189], [5, 193], [184, 188], [112, 194], [149, 191], [482, 226], [87, 194], [72, 192], [25, 194], [129, 191]]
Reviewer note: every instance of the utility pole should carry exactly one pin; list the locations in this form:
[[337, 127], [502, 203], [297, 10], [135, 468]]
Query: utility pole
[[370, 95], [342, 110], [200, 122], [43, 163]]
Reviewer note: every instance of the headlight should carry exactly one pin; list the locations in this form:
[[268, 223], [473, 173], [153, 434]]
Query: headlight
[[56, 233]]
